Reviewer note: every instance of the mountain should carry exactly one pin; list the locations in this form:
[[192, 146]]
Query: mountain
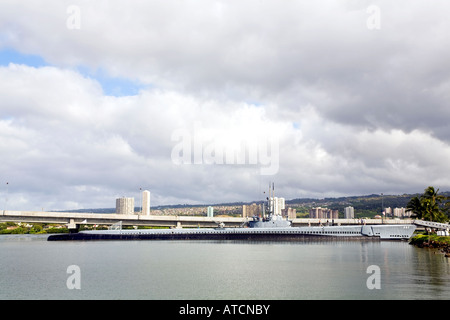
[[367, 205]]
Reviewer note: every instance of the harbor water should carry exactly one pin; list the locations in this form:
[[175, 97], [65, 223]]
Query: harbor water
[[33, 268]]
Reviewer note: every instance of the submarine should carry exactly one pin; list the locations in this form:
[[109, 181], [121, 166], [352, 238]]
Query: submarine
[[269, 227]]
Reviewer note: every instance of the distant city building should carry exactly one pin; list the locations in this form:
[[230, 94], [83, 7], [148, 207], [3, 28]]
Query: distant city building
[[401, 213], [388, 211], [397, 212], [323, 213], [125, 205], [146, 202], [276, 205], [349, 213], [290, 213], [251, 210], [210, 212]]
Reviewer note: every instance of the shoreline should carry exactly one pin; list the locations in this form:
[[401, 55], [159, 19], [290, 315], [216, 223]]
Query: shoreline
[[432, 241]]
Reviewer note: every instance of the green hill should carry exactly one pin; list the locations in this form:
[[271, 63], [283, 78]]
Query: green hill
[[365, 206]]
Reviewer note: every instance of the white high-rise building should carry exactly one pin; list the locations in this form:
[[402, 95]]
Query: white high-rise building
[[401, 212], [210, 212], [146, 202], [349, 213], [277, 204], [125, 205]]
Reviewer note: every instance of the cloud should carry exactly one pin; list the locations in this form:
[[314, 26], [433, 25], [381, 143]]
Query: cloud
[[60, 132], [90, 113]]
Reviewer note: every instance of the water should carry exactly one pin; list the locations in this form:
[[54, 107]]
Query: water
[[32, 268]]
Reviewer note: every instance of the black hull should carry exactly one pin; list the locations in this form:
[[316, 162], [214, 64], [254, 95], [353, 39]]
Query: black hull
[[212, 236]]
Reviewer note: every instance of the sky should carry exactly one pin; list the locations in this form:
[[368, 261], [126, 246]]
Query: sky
[[206, 101]]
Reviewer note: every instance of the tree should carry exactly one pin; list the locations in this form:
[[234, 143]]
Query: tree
[[447, 208], [37, 228], [415, 206], [429, 206]]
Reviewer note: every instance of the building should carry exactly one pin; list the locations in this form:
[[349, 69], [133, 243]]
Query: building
[[210, 212], [323, 213], [349, 213], [125, 205], [314, 213], [401, 213], [388, 211], [290, 213], [398, 212], [251, 210], [276, 205], [145, 202]]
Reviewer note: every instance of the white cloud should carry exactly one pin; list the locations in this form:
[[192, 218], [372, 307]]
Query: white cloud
[[353, 110]]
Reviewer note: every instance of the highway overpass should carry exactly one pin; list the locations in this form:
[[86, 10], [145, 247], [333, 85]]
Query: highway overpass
[[77, 218]]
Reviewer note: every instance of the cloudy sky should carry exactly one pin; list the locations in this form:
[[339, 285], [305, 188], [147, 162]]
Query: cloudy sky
[[205, 101]]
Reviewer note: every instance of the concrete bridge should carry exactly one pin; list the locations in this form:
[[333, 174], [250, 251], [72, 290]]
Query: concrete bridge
[[75, 219], [433, 225]]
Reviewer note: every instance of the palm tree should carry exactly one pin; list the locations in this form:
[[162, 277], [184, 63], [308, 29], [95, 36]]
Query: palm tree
[[428, 206], [415, 206], [433, 196]]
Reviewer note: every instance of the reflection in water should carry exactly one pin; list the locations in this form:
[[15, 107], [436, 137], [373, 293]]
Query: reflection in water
[[32, 268], [428, 278]]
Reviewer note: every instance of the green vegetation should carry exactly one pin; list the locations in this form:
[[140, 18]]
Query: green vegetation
[[420, 239], [42, 228], [24, 228], [430, 206], [432, 241]]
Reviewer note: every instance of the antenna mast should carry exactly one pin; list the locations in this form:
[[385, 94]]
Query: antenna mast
[[271, 199]]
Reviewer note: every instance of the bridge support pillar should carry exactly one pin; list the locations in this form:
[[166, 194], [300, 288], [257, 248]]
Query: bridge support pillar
[[73, 227]]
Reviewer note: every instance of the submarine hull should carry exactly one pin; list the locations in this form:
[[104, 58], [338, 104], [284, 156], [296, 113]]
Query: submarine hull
[[389, 232]]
